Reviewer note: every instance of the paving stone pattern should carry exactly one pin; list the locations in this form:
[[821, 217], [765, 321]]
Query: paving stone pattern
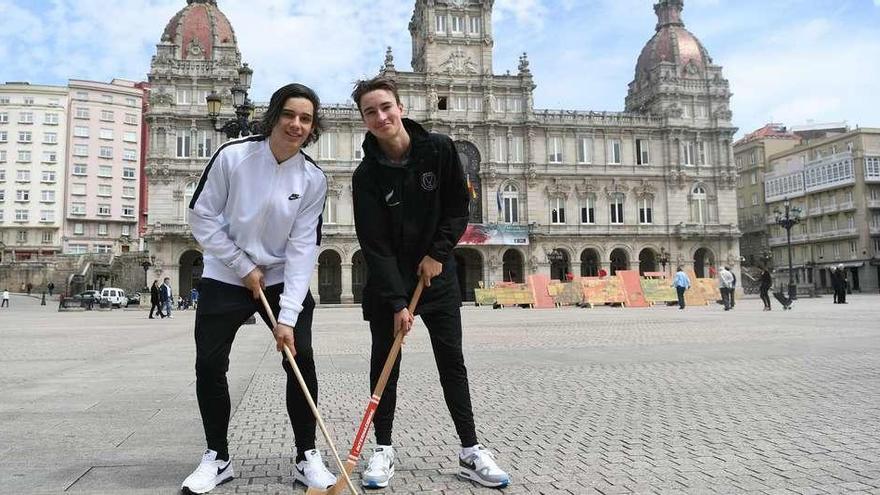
[[572, 401]]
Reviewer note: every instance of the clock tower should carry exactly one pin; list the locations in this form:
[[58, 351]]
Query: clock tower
[[452, 37]]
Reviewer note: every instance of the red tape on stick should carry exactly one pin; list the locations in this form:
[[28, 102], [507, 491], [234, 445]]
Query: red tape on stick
[[364, 429]]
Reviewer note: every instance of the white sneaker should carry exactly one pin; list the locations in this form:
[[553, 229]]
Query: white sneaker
[[312, 472], [210, 473], [480, 466], [380, 468]]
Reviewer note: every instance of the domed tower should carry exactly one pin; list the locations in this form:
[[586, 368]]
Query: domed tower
[[675, 76], [196, 55]]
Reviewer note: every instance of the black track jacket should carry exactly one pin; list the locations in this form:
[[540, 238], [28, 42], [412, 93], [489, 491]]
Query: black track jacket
[[402, 213]]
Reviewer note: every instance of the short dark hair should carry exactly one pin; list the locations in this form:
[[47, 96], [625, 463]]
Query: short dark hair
[[364, 86], [276, 106]]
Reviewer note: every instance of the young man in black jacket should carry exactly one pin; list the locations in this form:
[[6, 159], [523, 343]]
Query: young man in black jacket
[[410, 209]]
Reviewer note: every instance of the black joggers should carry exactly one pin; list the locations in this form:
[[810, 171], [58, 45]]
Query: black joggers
[[765, 296], [444, 328], [222, 310]]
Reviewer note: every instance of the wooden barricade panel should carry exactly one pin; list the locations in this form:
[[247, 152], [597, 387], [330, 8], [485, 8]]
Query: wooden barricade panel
[[659, 290], [603, 290], [485, 297], [568, 293], [709, 290], [540, 293], [631, 282], [694, 296]]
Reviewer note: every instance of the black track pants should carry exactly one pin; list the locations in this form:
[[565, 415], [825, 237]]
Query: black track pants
[[222, 310], [444, 328]]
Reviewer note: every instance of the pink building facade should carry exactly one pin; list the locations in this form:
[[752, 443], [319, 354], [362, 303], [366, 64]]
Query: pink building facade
[[102, 193]]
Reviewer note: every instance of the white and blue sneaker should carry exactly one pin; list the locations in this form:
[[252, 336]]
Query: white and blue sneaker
[[478, 464], [210, 473], [312, 471], [380, 468]]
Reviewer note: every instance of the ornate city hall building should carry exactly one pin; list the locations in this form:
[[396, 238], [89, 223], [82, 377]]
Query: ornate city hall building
[[557, 192]]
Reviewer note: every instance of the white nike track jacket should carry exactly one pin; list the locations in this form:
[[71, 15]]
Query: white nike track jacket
[[251, 211]]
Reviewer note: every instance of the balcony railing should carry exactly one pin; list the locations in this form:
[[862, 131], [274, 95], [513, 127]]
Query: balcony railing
[[782, 240], [596, 230], [874, 203]]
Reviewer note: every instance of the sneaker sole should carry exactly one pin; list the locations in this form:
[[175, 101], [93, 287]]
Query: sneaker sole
[[187, 491], [377, 484], [470, 475]]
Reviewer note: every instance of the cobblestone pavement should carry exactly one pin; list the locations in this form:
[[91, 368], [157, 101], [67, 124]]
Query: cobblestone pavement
[[573, 401]]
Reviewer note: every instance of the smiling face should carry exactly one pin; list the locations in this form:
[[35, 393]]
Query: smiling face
[[295, 124], [382, 114]]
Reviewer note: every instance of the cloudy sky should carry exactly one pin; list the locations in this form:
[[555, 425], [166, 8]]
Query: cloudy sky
[[789, 61]]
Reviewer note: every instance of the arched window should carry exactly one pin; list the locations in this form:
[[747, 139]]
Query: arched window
[[510, 203], [699, 206], [188, 191]]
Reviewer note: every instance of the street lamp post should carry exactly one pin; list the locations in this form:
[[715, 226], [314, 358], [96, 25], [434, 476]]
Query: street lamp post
[[146, 266], [788, 219], [664, 258], [243, 123]]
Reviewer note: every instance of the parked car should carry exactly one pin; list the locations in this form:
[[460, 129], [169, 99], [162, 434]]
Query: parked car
[[134, 299], [86, 299], [114, 296], [89, 295]]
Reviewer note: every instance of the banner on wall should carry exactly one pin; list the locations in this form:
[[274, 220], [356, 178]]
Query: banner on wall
[[495, 234]]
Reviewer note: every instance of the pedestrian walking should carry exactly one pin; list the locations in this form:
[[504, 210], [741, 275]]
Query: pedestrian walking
[[766, 281], [681, 282], [194, 298], [166, 297], [725, 285], [732, 293], [842, 284], [257, 215], [411, 208], [5, 303], [50, 286], [155, 300]]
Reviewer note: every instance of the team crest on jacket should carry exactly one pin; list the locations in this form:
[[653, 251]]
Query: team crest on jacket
[[429, 181]]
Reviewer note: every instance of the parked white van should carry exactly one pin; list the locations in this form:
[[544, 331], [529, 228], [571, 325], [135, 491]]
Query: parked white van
[[116, 297]]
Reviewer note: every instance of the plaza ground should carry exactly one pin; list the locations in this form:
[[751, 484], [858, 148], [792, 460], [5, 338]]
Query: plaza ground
[[573, 401]]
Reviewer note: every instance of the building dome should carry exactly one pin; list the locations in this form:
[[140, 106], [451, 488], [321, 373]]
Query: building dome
[[197, 29], [672, 43]]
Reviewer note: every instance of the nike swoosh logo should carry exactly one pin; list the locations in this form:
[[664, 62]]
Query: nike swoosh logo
[[224, 468], [389, 195], [293, 196]]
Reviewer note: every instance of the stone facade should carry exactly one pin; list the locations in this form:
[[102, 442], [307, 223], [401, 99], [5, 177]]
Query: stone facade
[[750, 155], [835, 183], [589, 190], [33, 153], [198, 54], [103, 176]]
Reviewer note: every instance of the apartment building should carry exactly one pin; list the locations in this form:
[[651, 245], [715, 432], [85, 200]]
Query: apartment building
[[750, 155], [33, 122], [103, 173], [834, 182]]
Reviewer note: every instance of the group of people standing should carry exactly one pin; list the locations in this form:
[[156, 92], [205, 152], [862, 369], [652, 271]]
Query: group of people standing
[[839, 284], [257, 214]]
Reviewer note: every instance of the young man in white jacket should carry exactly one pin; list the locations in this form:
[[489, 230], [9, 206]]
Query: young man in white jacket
[[257, 214]]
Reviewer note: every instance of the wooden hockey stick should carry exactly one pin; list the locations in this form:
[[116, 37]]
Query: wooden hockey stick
[[314, 408], [362, 431]]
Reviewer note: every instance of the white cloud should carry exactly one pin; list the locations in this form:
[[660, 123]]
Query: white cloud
[[814, 71], [817, 63]]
